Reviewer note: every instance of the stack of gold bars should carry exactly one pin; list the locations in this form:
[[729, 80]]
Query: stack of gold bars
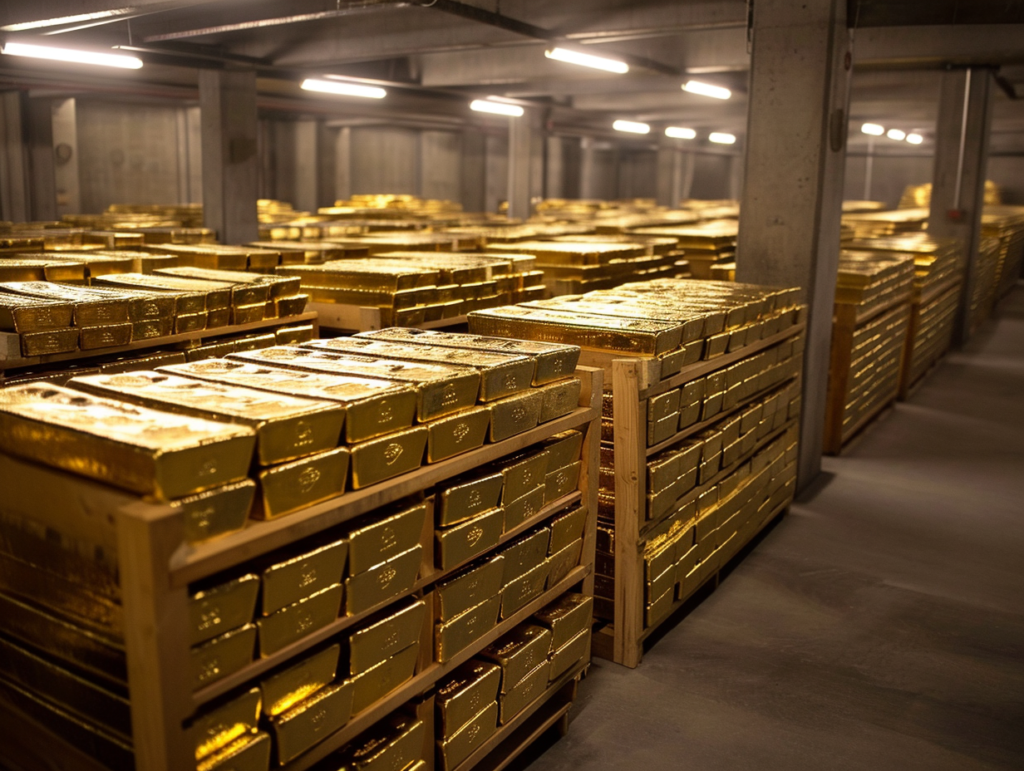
[[1007, 224], [872, 224], [872, 280], [704, 245], [985, 283]]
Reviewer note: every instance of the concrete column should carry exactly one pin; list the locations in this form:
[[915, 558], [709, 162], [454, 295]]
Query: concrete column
[[343, 164], [307, 163], [41, 166], [14, 184], [327, 155], [473, 181], [65, 148], [227, 99], [792, 197], [669, 175], [588, 168], [962, 139], [520, 165]]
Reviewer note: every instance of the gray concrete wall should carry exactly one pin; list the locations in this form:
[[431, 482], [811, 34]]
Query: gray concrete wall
[[712, 176], [890, 175], [638, 174], [441, 165], [385, 160], [1007, 171]]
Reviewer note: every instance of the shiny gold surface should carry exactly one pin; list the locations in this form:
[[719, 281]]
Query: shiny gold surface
[[453, 637], [21, 313], [289, 581], [147, 329], [138, 449], [572, 653], [520, 591], [458, 747], [563, 449], [518, 653], [395, 743], [286, 689], [295, 621], [185, 299], [277, 286], [528, 690], [247, 753], [89, 309], [35, 267], [289, 487], [221, 608], [377, 642], [521, 509], [106, 336], [378, 681], [522, 473], [559, 399], [515, 414], [382, 582], [384, 538], [566, 617], [222, 655], [456, 544], [566, 528], [388, 456], [524, 554], [468, 589], [471, 688], [215, 730], [311, 721], [457, 433], [467, 497], [561, 482], [561, 563], [49, 341]]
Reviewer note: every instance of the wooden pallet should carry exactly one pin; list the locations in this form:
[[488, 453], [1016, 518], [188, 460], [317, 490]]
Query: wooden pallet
[[156, 567]]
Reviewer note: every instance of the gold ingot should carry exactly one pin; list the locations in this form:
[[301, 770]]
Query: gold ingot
[[107, 336], [49, 342], [190, 297], [288, 582], [20, 313], [518, 653], [311, 721], [388, 456], [453, 637], [291, 306], [521, 509], [142, 305], [563, 449], [298, 620], [248, 314], [470, 689], [524, 589], [286, 689], [460, 543], [383, 582], [191, 322], [147, 329], [293, 486], [515, 414], [138, 449], [566, 617], [561, 563], [470, 588], [663, 405], [219, 294], [559, 399], [574, 652], [457, 433], [360, 274], [501, 374], [657, 610], [566, 528], [216, 729], [278, 286], [525, 554], [395, 743], [561, 482], [247, 753], [372, 407], [377, 682], [385, 538], [528, 690], [522, 473], [300, 333], [554, 361], [456, 749], [377, 642], [222, 656], [286, 427], [660, 430], [33, 268], [89, 310], [227, 606]]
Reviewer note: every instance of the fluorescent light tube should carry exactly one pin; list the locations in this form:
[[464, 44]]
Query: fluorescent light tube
[[722, 138], [896, 134], [72, 55], [873, 129], [915, 139], [677, 132], [631, 127], [706, 89], [496, 108], [587, 60], [343, 88]]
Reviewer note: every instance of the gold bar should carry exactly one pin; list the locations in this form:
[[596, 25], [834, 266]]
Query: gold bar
[[388, 456], [471, 587], [525, 693], [302, 618], [248, 753], [311, 721], [374, 644], [457, 433], [220, 727], [107, 336], [566, 617], [192, 322], [559, 399], [453, 637], [289, 581], [518, 653], [214, 611], [567, 528], [292, 486], [35, 267], [525, 554], [384, 538], [284, 690], [248, 314], [462, 542], [222, 656], [377, 682], [561, 482], [184, 300], [372, 407], [466, 498], [389, 579], [142, 305], [469, 690], [49, 342], [561, 563], [291, 306], [515, 414], [89, 309], [521, 509], [395, 743], [572, 653], [145, 451], [563, 449], [518, 593], [522, 473], [286, 427], [21, 313], [278, 286], [219, 294], [147, 329], [456, 749]]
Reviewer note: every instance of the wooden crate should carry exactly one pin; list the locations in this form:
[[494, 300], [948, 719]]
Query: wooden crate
[[156, 567]]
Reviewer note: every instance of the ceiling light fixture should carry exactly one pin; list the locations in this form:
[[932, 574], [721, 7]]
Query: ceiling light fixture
[[896, 134], [678, 132], [722, 138], [588, 60], [872, 129], [706, 89], [496, 108], [915, 139], [73, 55], [343, 88], [631, 127]]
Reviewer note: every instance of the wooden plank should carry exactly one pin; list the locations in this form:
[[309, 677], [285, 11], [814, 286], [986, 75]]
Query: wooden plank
[[590, 396]]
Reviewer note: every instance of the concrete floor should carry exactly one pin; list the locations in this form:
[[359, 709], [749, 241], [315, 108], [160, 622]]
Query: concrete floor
[[880, 624]]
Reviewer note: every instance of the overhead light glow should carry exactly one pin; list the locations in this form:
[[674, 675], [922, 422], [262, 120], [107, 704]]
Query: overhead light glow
[[706, 89], [587, 60], [896, 134], [61, 20], [722, 138], [497, 108], [678, 132], [343, 88], [915, 139], [873, 129], [631, 127], [72, 55]]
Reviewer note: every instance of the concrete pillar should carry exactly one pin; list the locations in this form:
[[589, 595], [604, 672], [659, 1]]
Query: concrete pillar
[[588, 168], [962, 139], [65, 149], [41, 166], [521, 164], [343, 164], [14, 185], [669, 175], [473, 173], [307, 163], [227, 99], [795, 157], [327, 155]]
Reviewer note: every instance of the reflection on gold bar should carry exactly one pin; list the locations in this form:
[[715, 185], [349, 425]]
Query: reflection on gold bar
[[465, 498], [566, 617], [223, 655], [518, 653], [563, 449], [19, 313], [220, 727], [562, 482], [138, 449], [567, 528], [518, 593], [277, 286], [377, 682], [300, 483], [89, 311], [230, 605], [294, 622], [470, 689], [515, 414], [289, 581], [248, 314], [471, 587], [35, 267], [284, 690], [522, 473], [398, 453], [395, 743], [150, 328], [524, 554], [385, 537], [49, 342], [462, 542], [524, 693], [561, 563], [453, 637], [311, 721], [106, 336], [382, 582], [461, 745], [377, 642], [457, 433], [192, 322], [248, 753], [521, 509], [572, 653]]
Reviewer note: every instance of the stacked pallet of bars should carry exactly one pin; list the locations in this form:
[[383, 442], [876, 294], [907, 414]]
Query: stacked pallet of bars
[[1007, 224], [704, 246], [886, 223]]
